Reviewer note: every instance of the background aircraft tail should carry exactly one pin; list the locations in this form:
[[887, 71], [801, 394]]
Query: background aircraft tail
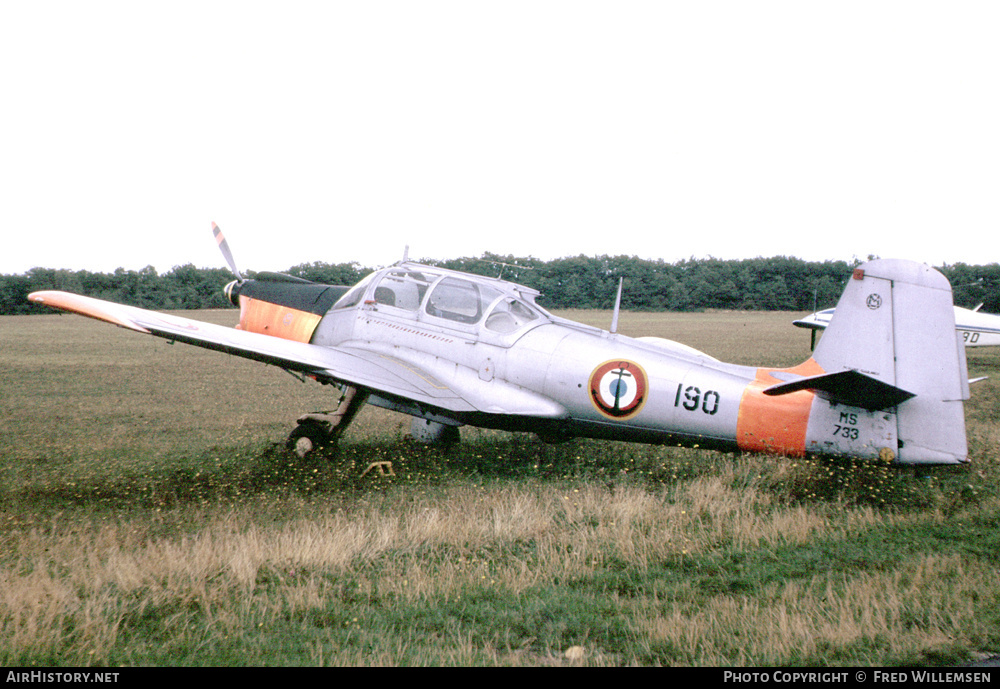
[[895, 325]]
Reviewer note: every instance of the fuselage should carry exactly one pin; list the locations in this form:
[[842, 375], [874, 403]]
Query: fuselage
[[523, 369]]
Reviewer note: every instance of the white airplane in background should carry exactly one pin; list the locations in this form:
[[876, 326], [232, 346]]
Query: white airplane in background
[[977, 329]]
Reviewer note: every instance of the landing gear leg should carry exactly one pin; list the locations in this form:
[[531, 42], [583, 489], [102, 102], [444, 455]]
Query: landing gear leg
[[317, 433]]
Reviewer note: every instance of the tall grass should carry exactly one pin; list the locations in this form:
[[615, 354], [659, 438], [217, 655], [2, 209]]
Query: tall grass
[[184, 535]]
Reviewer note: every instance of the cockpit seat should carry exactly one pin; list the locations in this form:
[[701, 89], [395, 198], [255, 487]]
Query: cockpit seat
[[384, 295]]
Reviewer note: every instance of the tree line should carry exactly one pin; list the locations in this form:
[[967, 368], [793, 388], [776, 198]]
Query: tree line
[[769, 284]]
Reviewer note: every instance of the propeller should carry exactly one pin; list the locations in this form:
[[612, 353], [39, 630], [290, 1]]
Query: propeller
[[233, 289], [226, 253]]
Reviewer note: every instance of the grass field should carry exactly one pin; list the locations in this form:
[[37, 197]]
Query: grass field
[[149, 517]]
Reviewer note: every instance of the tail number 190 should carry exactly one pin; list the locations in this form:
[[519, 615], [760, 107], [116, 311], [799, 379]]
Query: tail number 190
[[693, 399]]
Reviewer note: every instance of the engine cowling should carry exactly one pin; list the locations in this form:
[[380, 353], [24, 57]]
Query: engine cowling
[[282, 305]]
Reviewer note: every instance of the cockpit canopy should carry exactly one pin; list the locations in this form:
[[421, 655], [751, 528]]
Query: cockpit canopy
[[499, 306]]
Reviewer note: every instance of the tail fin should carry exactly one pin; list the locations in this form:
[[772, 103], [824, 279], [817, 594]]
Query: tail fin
[[895, 323]]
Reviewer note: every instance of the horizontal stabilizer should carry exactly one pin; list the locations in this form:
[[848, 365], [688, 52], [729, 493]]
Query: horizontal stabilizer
[[849, 387]]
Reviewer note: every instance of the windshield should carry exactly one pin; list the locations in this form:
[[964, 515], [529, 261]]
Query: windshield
[[353, 295]]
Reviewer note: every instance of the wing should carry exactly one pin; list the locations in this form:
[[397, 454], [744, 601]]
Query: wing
[[355, 366]]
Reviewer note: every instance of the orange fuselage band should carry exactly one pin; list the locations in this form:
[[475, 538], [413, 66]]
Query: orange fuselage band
[[778, 424]]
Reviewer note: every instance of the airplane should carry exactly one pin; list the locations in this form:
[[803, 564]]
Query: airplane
[[976, 328], [887, 381]]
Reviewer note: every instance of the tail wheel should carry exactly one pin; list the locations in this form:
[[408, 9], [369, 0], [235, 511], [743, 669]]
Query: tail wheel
[[309, 440]]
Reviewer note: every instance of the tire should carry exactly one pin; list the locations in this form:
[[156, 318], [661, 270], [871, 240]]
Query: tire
[[310, 440]]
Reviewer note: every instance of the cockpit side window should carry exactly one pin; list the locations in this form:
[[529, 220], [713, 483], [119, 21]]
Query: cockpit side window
[[509, 315], [404, 289], [460, 300]]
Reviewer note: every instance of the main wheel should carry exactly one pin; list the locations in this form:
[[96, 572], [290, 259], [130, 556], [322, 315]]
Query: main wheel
[[310, 439]]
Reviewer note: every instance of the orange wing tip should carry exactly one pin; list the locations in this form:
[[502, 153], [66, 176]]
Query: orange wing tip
[[85, 306]]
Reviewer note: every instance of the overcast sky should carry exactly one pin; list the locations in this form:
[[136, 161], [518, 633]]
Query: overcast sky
[[344, 131]]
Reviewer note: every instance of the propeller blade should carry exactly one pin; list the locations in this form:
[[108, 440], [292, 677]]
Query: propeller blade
[[226, 253]]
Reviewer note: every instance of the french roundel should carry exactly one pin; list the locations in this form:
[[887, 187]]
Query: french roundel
[[618, 388]]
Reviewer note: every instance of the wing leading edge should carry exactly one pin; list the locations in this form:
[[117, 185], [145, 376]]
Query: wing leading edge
[[354, 366]]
